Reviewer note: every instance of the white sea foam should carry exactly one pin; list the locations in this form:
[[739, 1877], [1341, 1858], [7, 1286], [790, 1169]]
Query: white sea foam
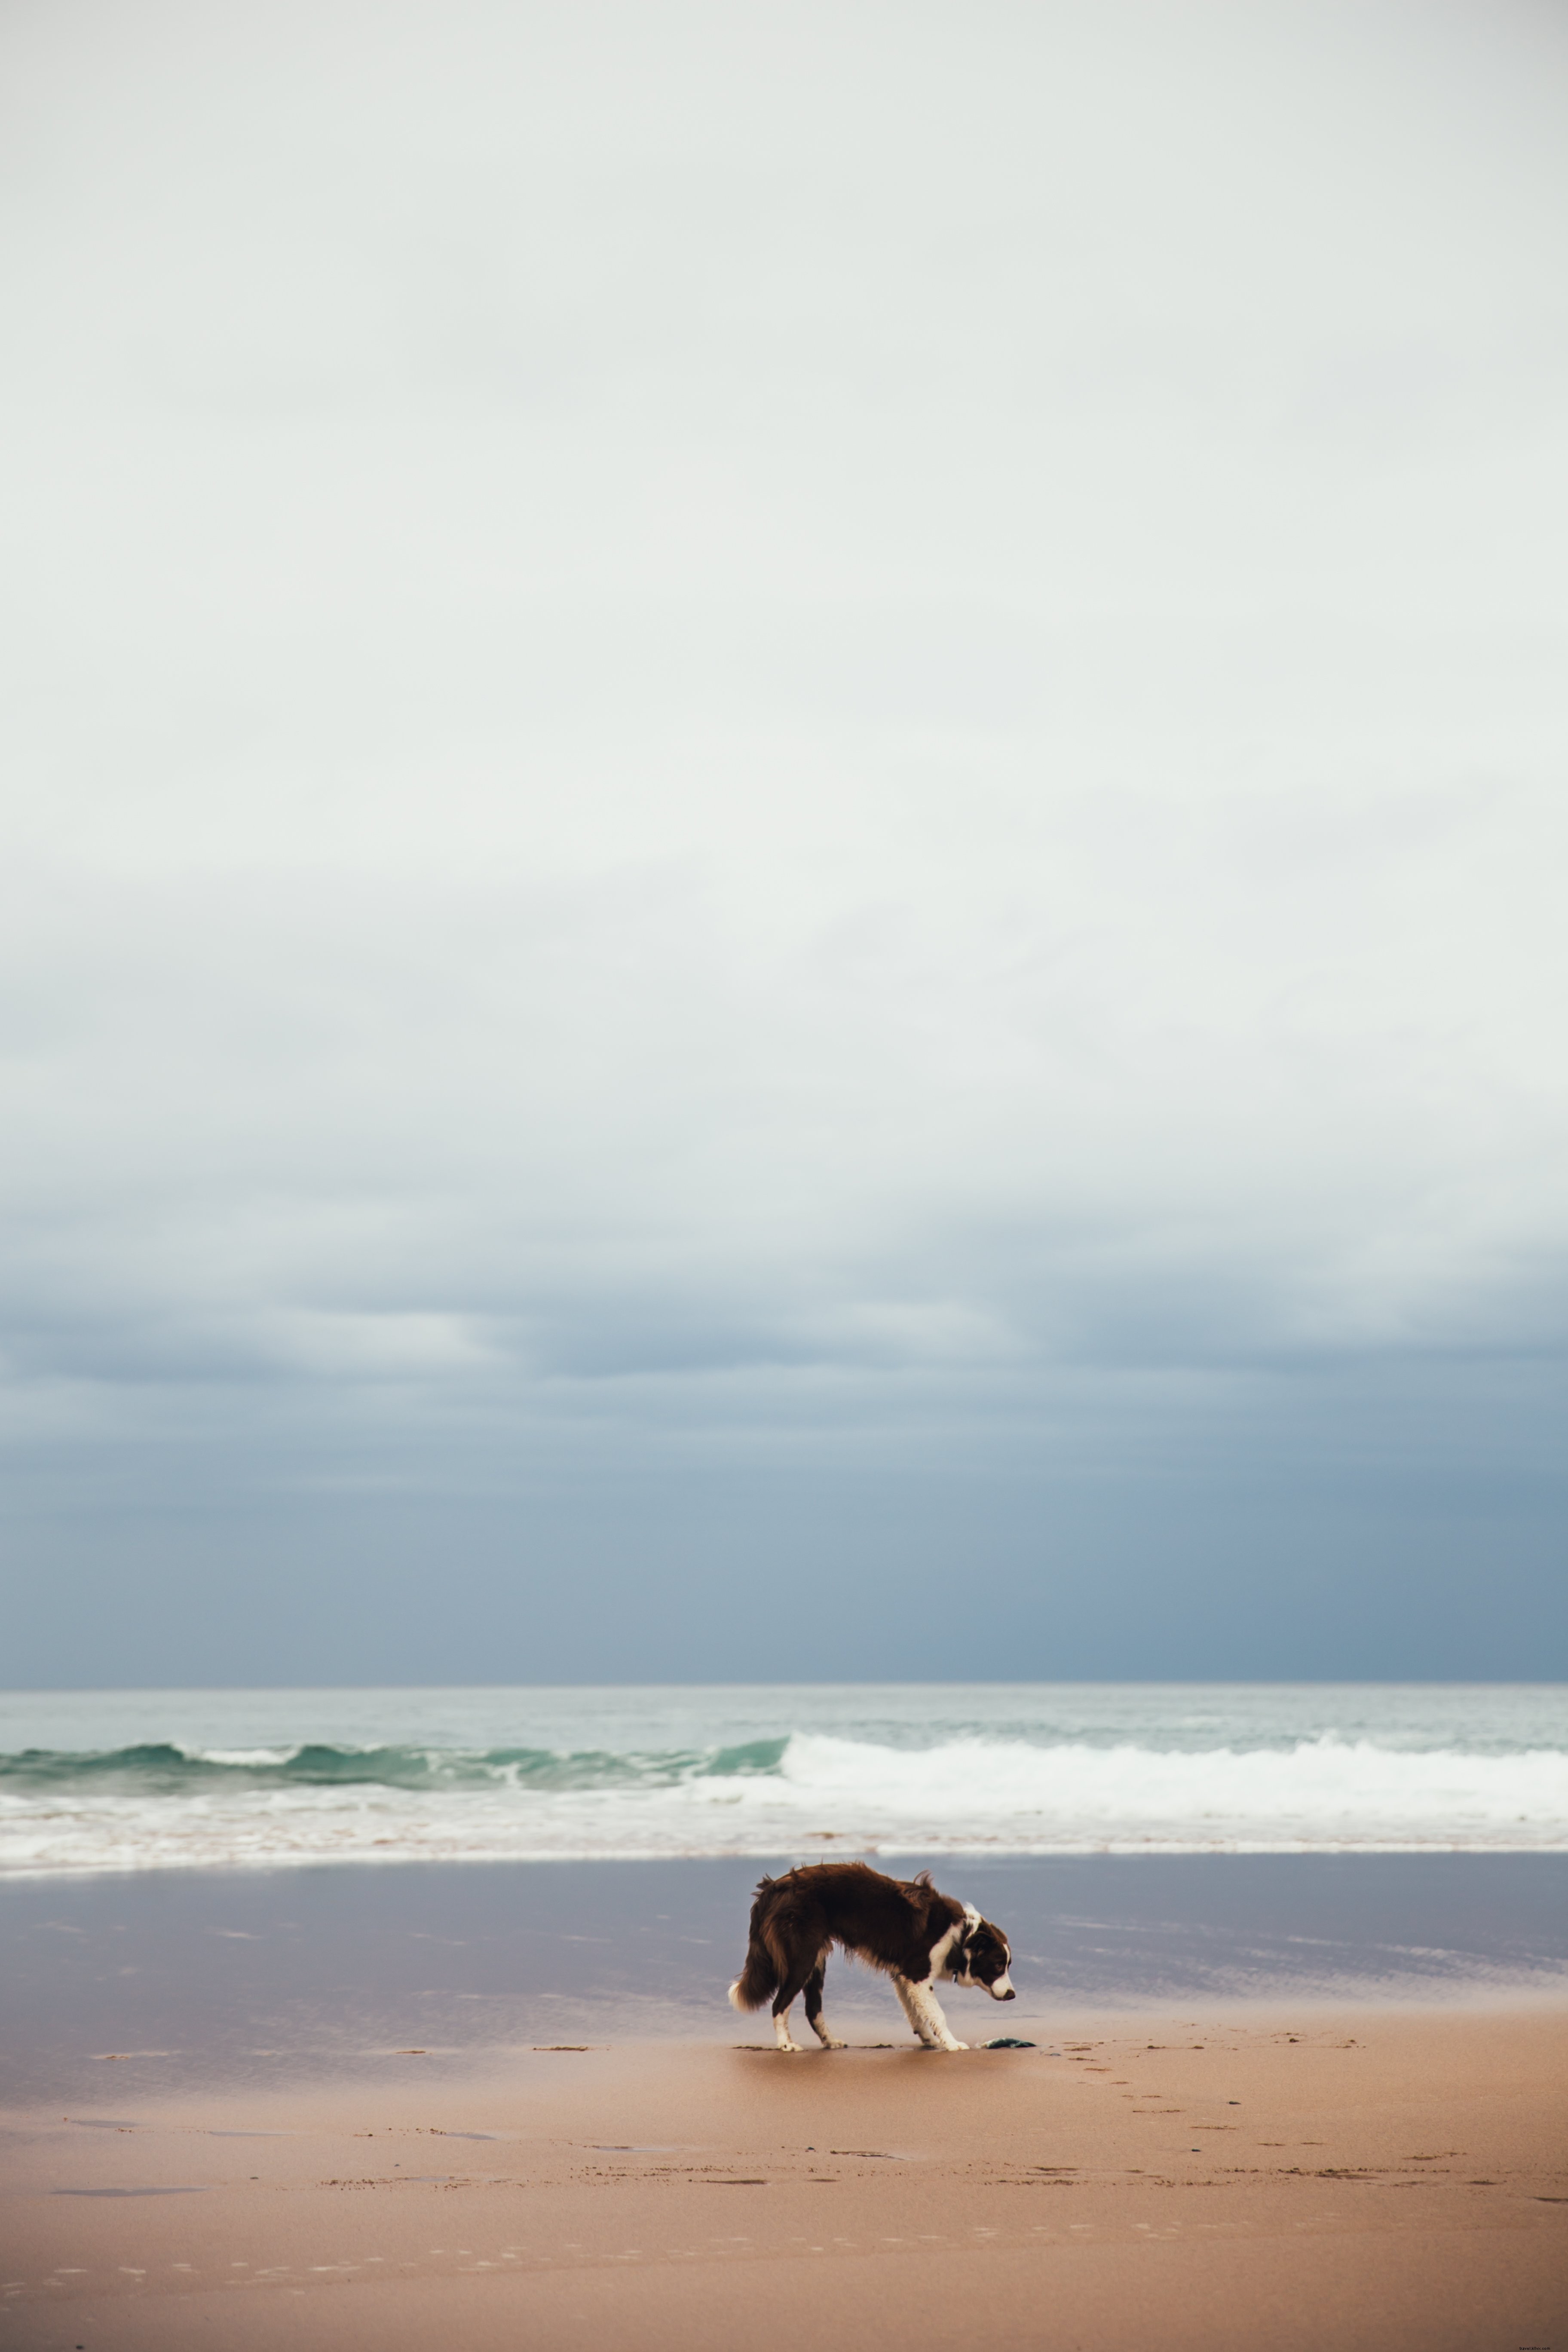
[[531, 1776]]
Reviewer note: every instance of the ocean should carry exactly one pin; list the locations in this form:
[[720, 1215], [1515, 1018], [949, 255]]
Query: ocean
[[133, 1781]]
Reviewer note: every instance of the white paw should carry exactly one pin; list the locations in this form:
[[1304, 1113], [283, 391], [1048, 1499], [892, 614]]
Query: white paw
[[790, 2049], [951, 2044], [831, 2041]]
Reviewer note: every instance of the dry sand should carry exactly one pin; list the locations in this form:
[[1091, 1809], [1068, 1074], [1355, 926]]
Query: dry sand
[[1384, 2179]]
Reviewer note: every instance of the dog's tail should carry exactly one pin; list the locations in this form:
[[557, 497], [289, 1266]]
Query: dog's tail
[[759, 1979], [757, 1983]]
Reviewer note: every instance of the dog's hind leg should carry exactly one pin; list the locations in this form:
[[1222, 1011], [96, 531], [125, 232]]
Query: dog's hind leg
[[784, 1999], [813, 2008]]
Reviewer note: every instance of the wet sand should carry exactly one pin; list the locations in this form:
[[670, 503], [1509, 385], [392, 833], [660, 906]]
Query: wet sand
[[324, 1969], [1309, 2176]]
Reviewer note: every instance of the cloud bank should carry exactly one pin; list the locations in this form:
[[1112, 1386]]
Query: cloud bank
[[825, 741]]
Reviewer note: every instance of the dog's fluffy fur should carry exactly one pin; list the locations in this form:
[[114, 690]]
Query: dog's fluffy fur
[[901, 1926]]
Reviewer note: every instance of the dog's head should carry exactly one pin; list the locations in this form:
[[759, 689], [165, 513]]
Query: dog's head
[[981, 1957]]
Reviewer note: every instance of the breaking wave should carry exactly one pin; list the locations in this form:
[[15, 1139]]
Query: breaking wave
[[163, 1768], [799, 1793]]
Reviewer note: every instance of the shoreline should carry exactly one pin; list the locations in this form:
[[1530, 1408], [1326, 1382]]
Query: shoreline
[[897, 1860]]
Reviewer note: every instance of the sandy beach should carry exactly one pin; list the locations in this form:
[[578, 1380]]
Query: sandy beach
[[1270, 2102], [1388, 2178]]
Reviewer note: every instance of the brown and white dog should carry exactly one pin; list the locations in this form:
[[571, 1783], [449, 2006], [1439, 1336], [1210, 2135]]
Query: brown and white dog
[[903, 1926]]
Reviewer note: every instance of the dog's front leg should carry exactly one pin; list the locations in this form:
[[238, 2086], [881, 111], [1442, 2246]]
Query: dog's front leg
[[910, 2002], [938, 2035]]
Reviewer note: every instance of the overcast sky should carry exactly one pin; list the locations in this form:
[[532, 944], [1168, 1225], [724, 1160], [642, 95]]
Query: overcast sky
[[785, 812]]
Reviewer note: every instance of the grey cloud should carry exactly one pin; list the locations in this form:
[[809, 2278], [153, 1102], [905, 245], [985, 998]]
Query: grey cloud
[[838, 732]]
